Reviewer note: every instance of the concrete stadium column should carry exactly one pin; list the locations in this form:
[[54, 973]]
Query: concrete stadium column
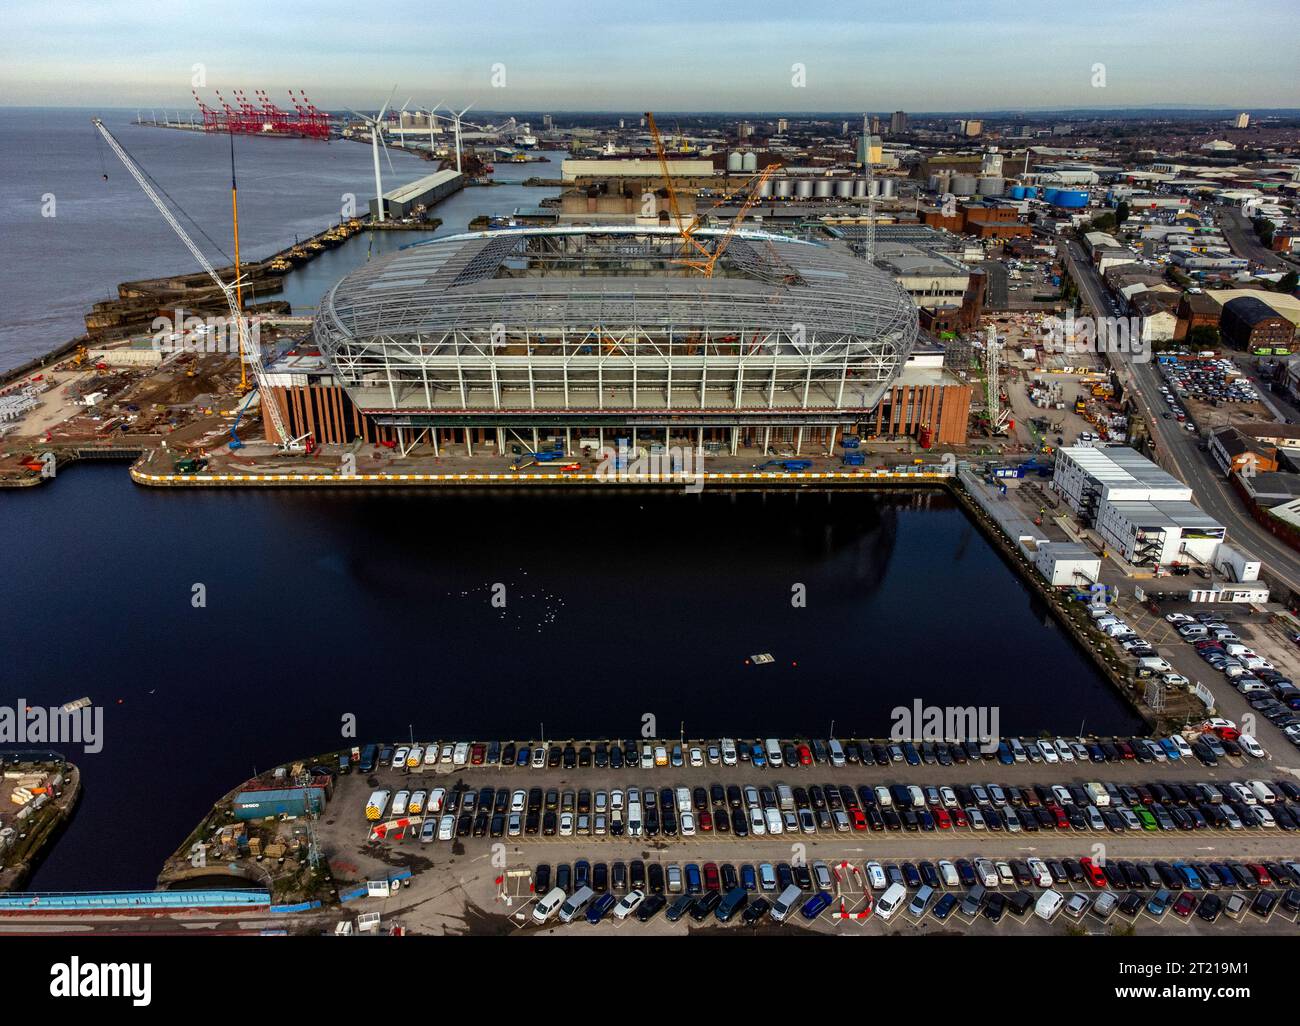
[[501, 441], [831, 447], [436, 450], [469, 443], [767, 439], [798, 440], [568, 441], [735, 440], [535, 439]]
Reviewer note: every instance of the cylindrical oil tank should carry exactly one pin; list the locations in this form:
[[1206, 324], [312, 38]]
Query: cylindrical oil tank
[[887, 188], [823, 188], [734, 161], [1017, 192], [767, 188], [926, 439], [963, 185], [749, 162], [859, 187], [844, 188], [991, 185], [1050, 195], [1071, 198], [784, 188], [803, 189]]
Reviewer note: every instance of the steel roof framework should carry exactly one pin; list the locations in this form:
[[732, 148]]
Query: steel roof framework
[[547, 319]]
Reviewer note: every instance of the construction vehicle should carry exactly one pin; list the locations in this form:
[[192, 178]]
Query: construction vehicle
[[190, 465], [249, 350], [1080, 406], [696, 254], [853, 459], [789, 466]]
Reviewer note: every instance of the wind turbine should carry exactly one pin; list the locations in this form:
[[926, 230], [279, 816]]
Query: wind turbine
[[458, 117], [376, 129]]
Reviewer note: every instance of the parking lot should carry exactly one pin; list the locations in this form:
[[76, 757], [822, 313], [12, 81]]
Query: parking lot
[[480, 877]]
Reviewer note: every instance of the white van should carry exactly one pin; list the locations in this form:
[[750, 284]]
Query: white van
[[1261, 790], [576, 905], [634, 819], [1099, 795], [1049, 904], [545, 908], [891, 901], [772, 748], [791, 898], [1155, 664], [836, 752]]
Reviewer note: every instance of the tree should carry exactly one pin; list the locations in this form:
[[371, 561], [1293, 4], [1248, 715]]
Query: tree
[[1288, 282], [1205, 335], [1121, 213]]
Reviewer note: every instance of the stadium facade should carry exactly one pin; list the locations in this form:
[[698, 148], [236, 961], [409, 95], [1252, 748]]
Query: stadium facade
[[583, 335]]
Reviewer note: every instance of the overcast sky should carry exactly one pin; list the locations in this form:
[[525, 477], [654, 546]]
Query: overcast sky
[[665, 54]]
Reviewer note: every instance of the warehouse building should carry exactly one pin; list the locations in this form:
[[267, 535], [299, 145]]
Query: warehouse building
[[423, 192], [1253, 326], [289, 802]]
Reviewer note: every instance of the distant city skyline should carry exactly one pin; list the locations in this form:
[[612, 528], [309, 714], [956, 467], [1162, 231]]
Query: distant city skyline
[[742, 57]]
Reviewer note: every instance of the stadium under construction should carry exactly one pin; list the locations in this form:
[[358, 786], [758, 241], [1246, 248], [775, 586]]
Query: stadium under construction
[[580, 336]]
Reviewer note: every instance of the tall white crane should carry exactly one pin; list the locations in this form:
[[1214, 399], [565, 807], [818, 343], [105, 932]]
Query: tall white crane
[[250, 350]]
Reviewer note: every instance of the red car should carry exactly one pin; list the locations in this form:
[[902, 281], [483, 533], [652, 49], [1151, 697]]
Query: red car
[[1185, 905], [858, 820], [706, 822], [959, 817], [942, 818], [1062, 821], [1125, 749], [1095, 876], [477, 754], [1261, 874], [711, 880], [805, 755]]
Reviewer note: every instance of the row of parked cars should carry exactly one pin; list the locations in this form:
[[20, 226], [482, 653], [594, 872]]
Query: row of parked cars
[[975, 886], [1269, 691], [775, 753], [1210, 380], [780, 808]]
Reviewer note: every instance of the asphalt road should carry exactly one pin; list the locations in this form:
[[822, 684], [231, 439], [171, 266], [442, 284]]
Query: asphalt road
[[1177, 448], [1243, 241]]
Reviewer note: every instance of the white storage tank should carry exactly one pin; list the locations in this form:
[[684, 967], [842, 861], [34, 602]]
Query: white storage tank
[[875, 188], [734, 162], [766, 189], [859, 187], [963, 185], [749, 162], [784, 188], [844, 188], [991, 185], [803, 188], [823, 188], [887, 189]]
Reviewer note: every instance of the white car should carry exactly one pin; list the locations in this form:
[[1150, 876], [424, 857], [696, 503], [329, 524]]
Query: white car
[[976, 819], [876, 876], [1250, 746], [949, 873], [988, 872], [728, 752], [431, 754], [1243, 793], [449, 750], [460, 755], [1049, 752], [446, 827], [616, 800], [1180, 742], [399, 757], [516, 824], [519, 801], [757, 822], [1177, 618], [687, 824], [438, 795], [697, 757], [774, 821], [948, 796], [628, 905], [683, 799], [602, 802], [1064, 751], [883, 798], [1042, 875], [566, 824], [1062, 795], [751, 797]]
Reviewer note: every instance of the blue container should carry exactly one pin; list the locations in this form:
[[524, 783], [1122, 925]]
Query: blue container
[[1017, 192], [1069, 198]]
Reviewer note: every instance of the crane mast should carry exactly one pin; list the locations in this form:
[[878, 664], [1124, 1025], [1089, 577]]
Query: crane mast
[[250, 351]]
